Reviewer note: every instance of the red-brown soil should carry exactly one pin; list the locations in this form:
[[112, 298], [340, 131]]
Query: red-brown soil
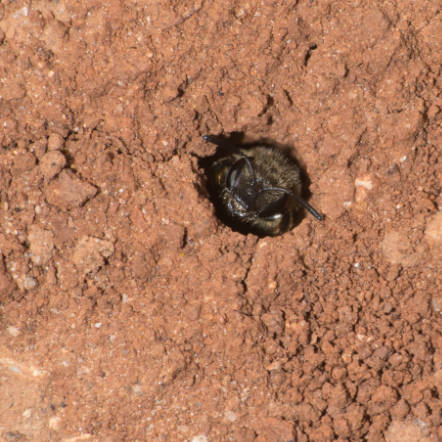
[[129, 312]]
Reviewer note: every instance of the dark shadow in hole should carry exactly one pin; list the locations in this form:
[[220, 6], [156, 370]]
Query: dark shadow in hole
[[308, 54]]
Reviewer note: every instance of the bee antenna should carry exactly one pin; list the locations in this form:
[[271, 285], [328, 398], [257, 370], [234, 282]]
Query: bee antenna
[[299, 200], [308, 207]]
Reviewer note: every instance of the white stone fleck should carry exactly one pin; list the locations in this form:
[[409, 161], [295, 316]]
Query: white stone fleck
[[13, 331], [29, 283], [22, 12], [54, 422], [366, 183], [230, 416], [200, 438]]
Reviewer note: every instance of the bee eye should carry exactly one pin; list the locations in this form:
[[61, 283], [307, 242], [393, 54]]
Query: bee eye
[[241, 174], [233, 177]]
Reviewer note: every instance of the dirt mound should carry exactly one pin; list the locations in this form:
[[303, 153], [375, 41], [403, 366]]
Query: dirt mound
[[129, 312]]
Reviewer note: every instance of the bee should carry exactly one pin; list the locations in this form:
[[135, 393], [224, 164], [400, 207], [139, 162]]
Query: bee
[[256, 188]]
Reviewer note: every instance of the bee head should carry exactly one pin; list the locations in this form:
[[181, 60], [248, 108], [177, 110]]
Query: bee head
[[247, 197]]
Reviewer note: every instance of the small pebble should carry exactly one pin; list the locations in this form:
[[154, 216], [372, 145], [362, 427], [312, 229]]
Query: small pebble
[[55, 142], [51, 164], [30, 283]]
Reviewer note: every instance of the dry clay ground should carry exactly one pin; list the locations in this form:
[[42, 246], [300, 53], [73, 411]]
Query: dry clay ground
[[129, 312]]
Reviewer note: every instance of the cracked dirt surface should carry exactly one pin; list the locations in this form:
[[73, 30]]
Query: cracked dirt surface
[[129, 312]]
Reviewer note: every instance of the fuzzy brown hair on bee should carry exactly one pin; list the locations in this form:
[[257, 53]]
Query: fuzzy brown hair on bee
[[256, 188]]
